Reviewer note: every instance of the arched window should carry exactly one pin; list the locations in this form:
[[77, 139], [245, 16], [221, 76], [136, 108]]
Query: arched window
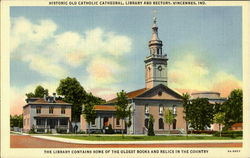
[[174, 124], [160, 109], [146, 109], [174, 110], [146, 123], [161, 123]]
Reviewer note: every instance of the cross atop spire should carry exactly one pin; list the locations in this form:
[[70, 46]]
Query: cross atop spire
[[154, 27], [154, 15]]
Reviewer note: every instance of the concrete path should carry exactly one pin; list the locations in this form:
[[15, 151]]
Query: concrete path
[[76, 141]]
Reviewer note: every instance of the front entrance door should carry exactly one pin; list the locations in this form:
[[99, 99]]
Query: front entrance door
[[174, 124], [52, 123], [105, 121]]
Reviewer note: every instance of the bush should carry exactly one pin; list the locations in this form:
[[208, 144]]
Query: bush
[[232, 134], [81, 132], [201, 132], [151, 126], [32, 130], [110, 130]]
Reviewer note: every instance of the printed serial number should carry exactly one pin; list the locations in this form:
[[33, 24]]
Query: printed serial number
[[233, 151]]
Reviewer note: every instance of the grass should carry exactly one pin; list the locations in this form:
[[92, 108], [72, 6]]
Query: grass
[[143, 138]]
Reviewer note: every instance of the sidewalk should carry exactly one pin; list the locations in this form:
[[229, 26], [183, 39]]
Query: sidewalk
[[75, 141]]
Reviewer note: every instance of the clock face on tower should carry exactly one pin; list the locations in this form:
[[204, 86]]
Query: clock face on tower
[[159, 68]]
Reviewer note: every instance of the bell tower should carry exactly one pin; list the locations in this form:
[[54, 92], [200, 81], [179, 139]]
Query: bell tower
[[156, 62]]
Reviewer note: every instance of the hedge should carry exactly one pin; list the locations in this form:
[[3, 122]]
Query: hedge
[[232, 134]]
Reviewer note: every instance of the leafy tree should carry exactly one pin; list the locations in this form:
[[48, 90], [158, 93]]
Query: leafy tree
[[168, 118], [220, 119], [89, 112], [123, 110], [233, 108], [201, 113], [151, 126], [16, 121], [186, 102], [73, 93], [39, 92]]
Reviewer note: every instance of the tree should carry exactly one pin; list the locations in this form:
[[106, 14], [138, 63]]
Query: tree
[[39, 92], [168, 118], [186, 102], [123, 110], [151, 126], [73, 93], [89, 112], [220, 119], [16, 121], [233, 108], [201, 113]]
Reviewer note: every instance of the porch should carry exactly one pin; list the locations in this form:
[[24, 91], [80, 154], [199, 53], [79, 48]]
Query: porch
[[51, 124]]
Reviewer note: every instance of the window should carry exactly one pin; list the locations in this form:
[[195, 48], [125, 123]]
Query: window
[[117, 122], [160, 109], [38, 110], [174, 110], [161, 124], [40, 122], [63, 110], [51, 109], [146, 109], [146, 123]]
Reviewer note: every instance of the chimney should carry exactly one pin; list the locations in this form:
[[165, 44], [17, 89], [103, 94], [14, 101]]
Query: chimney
[[45, 97], [54, 97]]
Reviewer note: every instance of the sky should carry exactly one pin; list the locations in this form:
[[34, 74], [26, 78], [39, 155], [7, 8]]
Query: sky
[[105, 47]]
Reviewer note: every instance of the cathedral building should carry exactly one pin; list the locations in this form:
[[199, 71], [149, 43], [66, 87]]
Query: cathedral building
[[153, 99]]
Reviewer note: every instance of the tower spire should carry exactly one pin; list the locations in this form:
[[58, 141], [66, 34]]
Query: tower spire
[[156, 62], [155, 29]]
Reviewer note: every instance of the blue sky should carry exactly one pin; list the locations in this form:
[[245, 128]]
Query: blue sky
[[104, 47]]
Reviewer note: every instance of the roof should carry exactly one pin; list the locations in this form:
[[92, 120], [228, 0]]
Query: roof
[[39, 101], [132, 94], [42, 101], [105, 107], [236, 125]]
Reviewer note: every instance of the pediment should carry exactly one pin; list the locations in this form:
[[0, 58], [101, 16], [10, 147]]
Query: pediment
[[160, 92]]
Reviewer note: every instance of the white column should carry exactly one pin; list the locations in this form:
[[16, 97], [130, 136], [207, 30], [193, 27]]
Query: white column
[[46, 125], [68, 126]]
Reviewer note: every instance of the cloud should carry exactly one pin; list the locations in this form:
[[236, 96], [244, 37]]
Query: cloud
[[188, 73], [53, 54], [25, 32], [225, 83], [46, 66], [192, 74], [103, 72]]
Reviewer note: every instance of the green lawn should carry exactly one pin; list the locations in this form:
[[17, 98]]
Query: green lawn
[[144, 138]]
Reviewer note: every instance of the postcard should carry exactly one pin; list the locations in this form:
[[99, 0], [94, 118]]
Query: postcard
[[154, 78]]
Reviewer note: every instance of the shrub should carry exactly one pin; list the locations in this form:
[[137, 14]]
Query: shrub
[[151, 126], [32, 130], [201, 132], [232, 134], [110, 130]]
